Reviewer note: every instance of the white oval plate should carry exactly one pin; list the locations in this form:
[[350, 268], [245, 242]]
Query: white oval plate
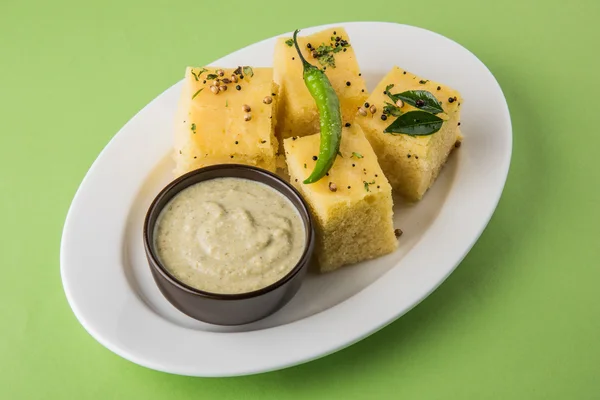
[[109, 286]]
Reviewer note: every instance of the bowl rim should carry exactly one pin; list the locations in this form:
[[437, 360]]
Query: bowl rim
[[156, 264]]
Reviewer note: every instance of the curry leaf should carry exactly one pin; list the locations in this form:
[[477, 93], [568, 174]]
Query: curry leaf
[[415, 123], [421, 99]]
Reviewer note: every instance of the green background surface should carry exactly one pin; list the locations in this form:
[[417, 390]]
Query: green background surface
[[520, 317]]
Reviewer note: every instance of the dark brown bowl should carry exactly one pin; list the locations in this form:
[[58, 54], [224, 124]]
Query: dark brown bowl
[[227, 309]]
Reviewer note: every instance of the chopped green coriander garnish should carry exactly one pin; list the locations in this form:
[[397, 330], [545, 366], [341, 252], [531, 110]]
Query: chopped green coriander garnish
[[248, 71], [197, 93]]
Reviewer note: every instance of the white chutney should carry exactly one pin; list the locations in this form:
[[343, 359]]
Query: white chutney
[[229, 235]]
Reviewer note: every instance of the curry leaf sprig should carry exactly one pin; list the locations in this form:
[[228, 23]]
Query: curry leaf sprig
[[420, 122]]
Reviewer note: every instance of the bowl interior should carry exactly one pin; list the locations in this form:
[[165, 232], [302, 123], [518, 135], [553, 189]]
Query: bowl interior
[[227, 171]]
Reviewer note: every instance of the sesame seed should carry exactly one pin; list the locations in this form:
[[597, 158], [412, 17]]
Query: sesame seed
[[348, 83], [315, 158], [347, 124], [238, 87]]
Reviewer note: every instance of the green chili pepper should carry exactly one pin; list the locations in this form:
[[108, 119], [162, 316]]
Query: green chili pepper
[[330, 116]]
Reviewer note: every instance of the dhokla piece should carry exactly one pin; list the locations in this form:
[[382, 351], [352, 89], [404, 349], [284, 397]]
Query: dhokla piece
[[411, 163], [330, 50], [352, 206], [226, 116]]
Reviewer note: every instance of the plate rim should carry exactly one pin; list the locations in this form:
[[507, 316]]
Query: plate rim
[[308, 356]]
